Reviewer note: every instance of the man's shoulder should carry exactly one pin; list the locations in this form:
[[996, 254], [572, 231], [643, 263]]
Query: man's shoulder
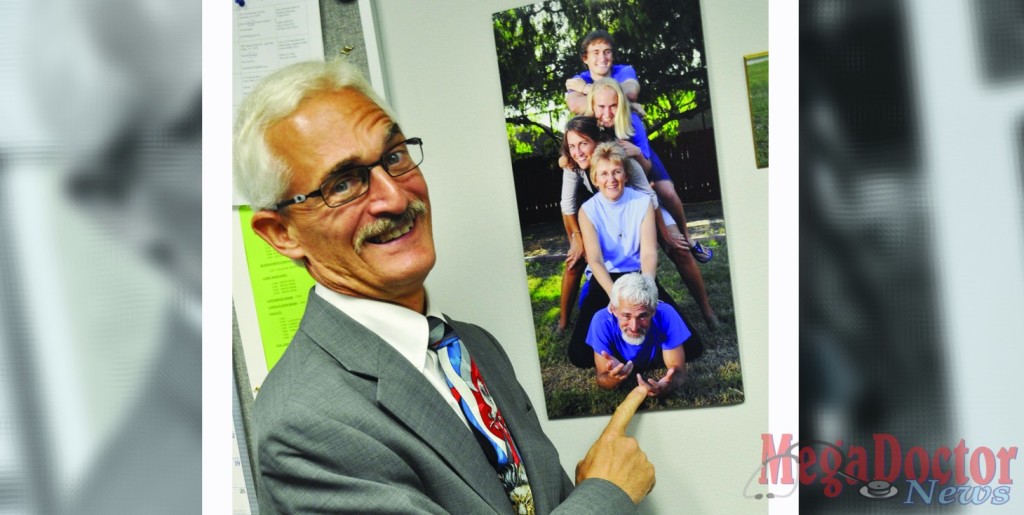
[[292, 377], [666, 312], [604, 316], [623, 72], [585, 75], [604, 325], [306, 370], [669, 322]]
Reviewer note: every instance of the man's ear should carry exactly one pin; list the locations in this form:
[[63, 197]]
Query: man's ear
[[611, 309], [270, 226]]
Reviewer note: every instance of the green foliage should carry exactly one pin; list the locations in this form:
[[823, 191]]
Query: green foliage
[[530, 140], [665, 112], [537, 47]]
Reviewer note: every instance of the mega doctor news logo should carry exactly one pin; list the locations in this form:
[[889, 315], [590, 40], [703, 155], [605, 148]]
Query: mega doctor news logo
[[885, 470]]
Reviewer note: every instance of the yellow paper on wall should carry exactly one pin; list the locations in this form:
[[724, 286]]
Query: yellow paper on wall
[[279, 290]]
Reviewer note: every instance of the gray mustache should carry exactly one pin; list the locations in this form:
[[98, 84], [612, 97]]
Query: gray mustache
[[388, 224]]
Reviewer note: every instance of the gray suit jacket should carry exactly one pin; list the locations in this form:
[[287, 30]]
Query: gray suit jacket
[[344, 424]]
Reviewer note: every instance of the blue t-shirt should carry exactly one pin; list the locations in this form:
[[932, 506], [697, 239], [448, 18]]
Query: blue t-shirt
[[667, 332], [620, 72], [639, 138]]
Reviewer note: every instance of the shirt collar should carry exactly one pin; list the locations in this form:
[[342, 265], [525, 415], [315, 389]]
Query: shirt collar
[[403, 329]]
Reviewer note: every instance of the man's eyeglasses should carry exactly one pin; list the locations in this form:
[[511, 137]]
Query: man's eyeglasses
[[346, 185]]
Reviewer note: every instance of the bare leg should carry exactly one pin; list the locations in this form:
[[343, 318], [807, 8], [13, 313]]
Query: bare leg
[[669, 199], [690, 273], [570, 289], [684, 261]]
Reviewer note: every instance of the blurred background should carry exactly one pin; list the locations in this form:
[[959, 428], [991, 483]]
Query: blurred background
[[911, 230], [100, 155], [911, 289]]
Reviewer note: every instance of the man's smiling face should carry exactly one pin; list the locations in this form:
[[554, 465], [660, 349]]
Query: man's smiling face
[[389, 224], [599, 59]]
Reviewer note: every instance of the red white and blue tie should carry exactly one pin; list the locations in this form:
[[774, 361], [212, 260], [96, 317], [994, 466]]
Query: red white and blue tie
[[471, 393]]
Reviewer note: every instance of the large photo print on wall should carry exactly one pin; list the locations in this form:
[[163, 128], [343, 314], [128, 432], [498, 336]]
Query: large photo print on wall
[[612, 142]]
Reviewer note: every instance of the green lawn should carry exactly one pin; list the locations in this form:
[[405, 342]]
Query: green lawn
[[757, 81], [714, 379]]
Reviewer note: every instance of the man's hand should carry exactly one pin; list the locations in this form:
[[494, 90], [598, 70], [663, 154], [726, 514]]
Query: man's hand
[[617, 370], [631, 149], [675, 241], [616, 457], [576, 84], [563, 162], [575, 253], [634, 152], [659, 387]]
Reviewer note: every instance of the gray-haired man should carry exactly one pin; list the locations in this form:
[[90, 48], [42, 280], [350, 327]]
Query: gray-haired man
[[638, 333], [359, 416]]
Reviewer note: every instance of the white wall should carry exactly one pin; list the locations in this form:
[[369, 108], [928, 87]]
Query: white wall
[[442, 75]]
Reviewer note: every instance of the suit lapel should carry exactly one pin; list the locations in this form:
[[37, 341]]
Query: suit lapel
[[406, 394]]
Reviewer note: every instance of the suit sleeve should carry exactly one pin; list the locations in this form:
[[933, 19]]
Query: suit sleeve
[[596, 496]]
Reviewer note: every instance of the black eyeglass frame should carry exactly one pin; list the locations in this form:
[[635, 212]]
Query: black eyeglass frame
[[364, 171]]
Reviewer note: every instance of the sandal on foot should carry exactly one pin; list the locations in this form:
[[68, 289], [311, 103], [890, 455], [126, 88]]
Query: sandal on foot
[[701, 253]]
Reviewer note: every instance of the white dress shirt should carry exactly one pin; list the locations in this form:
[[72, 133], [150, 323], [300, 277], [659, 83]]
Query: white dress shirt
[[405, 330]]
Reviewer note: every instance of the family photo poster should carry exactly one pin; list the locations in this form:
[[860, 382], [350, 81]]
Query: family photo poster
[[538, 50]]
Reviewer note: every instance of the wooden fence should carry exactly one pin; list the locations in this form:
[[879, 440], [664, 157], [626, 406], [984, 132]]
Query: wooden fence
[[691, 163]]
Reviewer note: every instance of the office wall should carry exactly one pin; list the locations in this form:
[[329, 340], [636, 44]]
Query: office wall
[[442, 77]]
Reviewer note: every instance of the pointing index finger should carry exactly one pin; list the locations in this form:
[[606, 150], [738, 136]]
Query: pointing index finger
[[624, 413]]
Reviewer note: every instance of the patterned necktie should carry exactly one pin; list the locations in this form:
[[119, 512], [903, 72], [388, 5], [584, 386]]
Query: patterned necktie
[[471, 393]]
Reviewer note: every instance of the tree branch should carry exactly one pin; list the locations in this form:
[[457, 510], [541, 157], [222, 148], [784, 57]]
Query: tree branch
[[522, 120]]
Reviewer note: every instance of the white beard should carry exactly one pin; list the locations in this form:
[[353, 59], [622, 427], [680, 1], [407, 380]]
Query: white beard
[[637, 341]]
